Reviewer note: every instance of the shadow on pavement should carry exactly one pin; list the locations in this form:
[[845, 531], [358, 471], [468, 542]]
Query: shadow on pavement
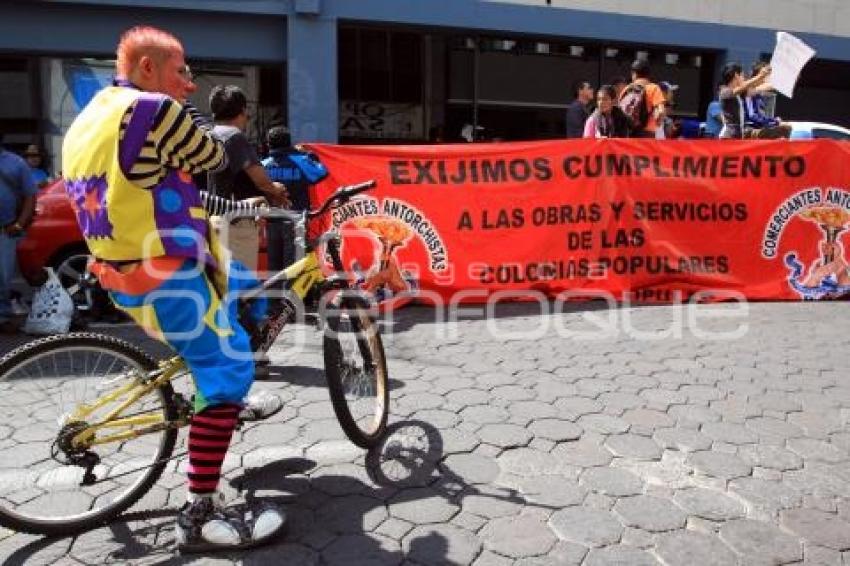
[[334, 511]]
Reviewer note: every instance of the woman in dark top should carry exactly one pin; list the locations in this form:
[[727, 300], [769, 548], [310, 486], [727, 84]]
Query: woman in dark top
[[734, 88], [607, 121]]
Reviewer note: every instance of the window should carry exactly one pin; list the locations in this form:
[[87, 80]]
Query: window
[[830, 134], [380, 85]]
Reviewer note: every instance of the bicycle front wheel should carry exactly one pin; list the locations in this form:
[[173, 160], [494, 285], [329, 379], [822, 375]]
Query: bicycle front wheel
[[356, 370], [43, 488]]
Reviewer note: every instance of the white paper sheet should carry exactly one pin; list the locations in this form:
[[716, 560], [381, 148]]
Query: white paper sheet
[[789, 58]]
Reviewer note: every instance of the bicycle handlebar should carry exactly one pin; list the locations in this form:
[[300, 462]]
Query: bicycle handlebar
[[341, 196]]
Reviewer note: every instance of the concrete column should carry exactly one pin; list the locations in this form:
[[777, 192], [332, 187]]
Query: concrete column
[[312, 77]]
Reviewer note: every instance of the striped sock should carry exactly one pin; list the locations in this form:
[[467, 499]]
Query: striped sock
[[209, 437]]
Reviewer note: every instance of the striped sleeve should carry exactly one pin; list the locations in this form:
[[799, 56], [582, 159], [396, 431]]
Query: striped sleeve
[[175, 141], [182, 144]]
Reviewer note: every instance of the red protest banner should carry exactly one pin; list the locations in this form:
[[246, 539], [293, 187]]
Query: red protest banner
[[637, 219]]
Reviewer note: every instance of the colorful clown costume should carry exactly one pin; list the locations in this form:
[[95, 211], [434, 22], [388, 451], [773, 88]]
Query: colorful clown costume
[[173, 300]]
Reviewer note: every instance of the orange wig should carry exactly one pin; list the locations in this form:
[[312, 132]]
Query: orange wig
[[139, 41]]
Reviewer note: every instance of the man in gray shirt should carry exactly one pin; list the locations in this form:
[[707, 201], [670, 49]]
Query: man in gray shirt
[[244, 176]]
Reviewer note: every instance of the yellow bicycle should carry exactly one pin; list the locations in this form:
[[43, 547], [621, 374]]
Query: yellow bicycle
[[90, 422]]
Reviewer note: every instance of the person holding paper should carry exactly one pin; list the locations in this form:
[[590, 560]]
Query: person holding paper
[[734, 88], [759, 124]]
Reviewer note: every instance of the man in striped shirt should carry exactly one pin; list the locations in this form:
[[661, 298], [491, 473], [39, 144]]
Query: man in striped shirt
[[128, 159]]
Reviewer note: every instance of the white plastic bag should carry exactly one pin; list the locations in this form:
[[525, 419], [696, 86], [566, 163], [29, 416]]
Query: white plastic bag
[[52, 308]]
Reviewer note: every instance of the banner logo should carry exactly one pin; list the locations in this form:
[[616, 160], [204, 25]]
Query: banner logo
[[827, 276], [395, 224]]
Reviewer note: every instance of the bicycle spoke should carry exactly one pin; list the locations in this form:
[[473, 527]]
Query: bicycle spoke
[[39, 481]]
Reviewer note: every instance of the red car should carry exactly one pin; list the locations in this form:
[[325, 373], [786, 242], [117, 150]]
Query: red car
[[54, 240]]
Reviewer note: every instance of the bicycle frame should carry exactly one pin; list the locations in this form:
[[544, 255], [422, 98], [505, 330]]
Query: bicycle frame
[[135, 390], [302, 276]]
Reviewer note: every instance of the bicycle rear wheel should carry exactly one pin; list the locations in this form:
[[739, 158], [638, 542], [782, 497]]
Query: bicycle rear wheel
[[356, 370], [41, 383]]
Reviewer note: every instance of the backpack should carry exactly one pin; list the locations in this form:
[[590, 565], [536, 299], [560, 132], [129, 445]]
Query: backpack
[[633, 104]]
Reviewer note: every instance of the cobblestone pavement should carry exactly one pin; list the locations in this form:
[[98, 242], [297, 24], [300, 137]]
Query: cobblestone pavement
[[513, 443]]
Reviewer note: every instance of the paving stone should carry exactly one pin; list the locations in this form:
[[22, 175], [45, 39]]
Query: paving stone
[[773, 457], [528, 462], [556, 430], [813, 449], [437, 418], [817, 425], [819, 479], [650, 513], [662, 398], [491, 502], [619, 555], [562, 554], [574, 407], [583, 525], [778, 401], [603, 424], [505, 435], [447, 384], [552, 491], [351, 514], [457, 441], [465, 397], [761, 542], [437, 545], [689, 548], [692, 416], [483, 414], [638, 538], [709, 504], [599, 501], [633, 446], [340, 479], [822, 556], [826, 504], [512, 393], [595, 386], [472, 468], [542, 444], [550, 390], [764, 494], [648, 419], [764, 426], [817, 527], [612, 481], [421, 505], [719, 465], [488, 558], [419, 401], [729, 432], [468, 521], [582, 454], [518, 537], [621, 400], [394, 528], [683, 439], [700, 393], [369, 549], [530, 410]]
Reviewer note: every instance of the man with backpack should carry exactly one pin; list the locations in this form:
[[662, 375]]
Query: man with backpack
[[643, 102], [297, 170]]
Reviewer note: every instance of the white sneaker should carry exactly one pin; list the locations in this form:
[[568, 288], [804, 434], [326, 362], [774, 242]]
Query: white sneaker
[[204, 525], [259, 406]]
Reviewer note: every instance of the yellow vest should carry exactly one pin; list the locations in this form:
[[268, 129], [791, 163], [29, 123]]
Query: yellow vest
[[119, 219]]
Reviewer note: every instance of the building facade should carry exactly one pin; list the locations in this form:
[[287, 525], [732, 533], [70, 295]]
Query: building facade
[[409, 71]]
